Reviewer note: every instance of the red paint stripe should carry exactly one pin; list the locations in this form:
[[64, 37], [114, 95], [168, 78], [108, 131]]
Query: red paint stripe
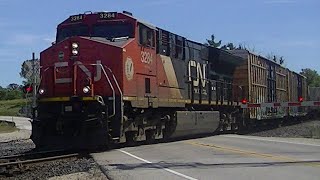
[[254, 105], [294, 104], [316, 103], [277, 104]]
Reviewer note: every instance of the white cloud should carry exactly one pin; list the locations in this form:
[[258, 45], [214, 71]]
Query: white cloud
[[49, 39], [299, 43], [3, 22], [28, 39], [7, 55], [162, 2], [280, 1], [23, 39]]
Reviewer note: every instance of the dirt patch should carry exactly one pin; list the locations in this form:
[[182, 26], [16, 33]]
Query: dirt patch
[[7, 127]]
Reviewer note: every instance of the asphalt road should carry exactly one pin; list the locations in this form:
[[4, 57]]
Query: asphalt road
[[217, 157]]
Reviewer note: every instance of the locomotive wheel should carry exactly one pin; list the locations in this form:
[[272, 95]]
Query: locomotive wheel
[[233, 126], [224, 127], [130, 138], [150, 136]]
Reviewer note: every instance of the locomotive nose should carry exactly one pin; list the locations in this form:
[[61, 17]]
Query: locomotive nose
[[80, 67]]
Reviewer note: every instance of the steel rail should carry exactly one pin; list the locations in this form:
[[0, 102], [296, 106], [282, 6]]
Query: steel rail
[[38, 160], [32, 154]]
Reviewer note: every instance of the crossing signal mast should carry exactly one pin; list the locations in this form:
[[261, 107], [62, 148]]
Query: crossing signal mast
[[30, 89]]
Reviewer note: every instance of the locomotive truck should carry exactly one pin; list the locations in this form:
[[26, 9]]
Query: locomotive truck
[[112, 78]]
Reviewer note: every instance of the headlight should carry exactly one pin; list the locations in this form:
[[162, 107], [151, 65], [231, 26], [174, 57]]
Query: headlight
[[74, 52], [75, 45], [86, 89], [41, 91]]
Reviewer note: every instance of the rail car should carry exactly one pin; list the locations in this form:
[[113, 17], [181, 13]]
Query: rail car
[[112, 78], [265, 81]]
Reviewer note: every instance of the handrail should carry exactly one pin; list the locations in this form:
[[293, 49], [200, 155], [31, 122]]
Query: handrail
[[121, 94], [113, 90]]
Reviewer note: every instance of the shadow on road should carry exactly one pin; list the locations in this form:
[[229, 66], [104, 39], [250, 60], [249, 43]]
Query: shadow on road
[[161, 165]]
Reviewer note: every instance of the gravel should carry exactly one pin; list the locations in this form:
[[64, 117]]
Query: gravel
[[303, 130], [18, 142], [84, 168], [15, 147]]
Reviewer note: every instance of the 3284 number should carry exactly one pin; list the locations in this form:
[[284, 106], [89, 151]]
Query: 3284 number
[[109, 15], [76, 18]]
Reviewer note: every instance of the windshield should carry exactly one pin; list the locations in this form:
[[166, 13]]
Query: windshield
[[75, 30], [112, 30]]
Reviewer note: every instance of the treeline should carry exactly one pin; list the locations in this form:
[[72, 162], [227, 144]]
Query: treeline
[[12, 91]]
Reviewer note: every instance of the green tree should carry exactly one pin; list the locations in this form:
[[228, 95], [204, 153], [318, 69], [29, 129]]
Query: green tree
[[211, 42], [229, 46], [30, 69], [3, 94], [276, 58], [12, 86], [9, 94], [313, 78], [14, 94]]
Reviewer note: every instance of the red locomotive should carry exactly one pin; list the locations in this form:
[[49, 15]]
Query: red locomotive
[[111, 78]]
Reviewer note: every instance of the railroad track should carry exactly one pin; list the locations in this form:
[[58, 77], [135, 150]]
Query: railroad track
[[16, 164]]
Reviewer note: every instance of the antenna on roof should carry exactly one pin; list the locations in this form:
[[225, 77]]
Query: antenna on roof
[[87, 12], [127, 12]]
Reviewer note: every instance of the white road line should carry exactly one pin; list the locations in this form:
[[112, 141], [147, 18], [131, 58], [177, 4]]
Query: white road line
[[166, 169], [270, 140]]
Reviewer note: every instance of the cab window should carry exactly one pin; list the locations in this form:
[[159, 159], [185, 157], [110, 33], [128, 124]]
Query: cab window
[[112, 30], [72, 30], [146, 36]]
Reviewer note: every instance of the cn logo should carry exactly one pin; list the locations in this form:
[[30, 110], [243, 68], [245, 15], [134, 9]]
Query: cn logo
[[82, 67], [200, 73]]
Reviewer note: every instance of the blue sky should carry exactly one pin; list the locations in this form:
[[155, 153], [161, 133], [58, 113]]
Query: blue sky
[[290, 28]]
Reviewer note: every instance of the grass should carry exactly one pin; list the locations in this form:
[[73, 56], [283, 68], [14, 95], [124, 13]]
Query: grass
[[11, 107], [7, 127]]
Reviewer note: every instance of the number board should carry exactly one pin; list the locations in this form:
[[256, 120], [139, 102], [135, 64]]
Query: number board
[[107, 15], [76, 18]]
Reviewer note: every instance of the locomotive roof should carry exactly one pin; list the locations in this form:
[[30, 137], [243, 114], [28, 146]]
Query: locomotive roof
[[149, 25]]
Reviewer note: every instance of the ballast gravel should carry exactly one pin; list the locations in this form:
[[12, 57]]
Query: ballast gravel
[[309, 129]]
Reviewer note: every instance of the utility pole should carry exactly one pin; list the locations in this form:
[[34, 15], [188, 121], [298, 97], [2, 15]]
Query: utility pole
[[34, 82]]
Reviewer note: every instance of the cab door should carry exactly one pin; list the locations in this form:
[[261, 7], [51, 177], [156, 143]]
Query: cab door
[[147, 73]]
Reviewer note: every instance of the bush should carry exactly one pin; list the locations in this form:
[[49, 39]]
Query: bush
[[12, 107], [10, 94]]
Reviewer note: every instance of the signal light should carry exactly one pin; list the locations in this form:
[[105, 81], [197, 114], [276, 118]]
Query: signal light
[[244, 101], [300, 99], [27, 88]]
